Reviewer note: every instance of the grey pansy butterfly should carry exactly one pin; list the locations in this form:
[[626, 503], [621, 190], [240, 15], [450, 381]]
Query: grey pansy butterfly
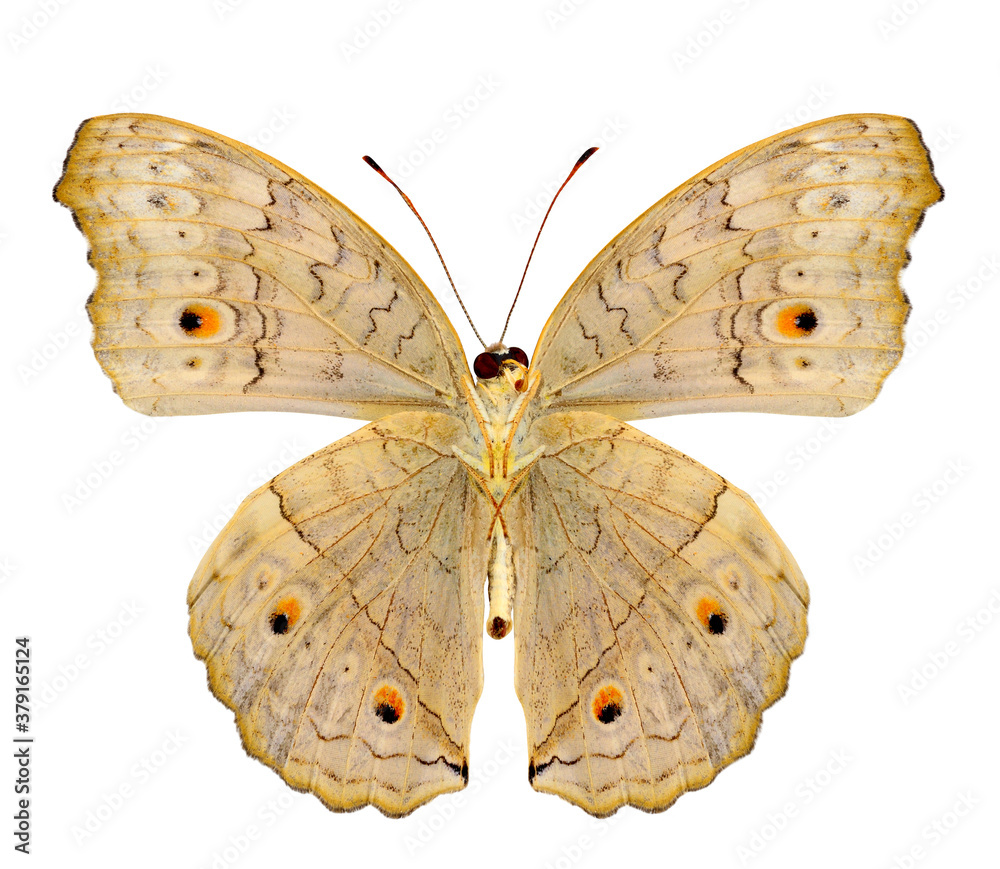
[[340, 612]]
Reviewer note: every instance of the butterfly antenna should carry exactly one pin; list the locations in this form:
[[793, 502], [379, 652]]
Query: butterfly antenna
[[437, 250], [584, 157]]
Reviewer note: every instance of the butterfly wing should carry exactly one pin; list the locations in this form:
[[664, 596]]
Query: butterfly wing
[[656, 617], [227, 281], [340, 614], [768, 282]]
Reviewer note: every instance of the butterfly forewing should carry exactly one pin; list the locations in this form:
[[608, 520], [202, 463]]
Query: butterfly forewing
[[227, 282], [768, 282]]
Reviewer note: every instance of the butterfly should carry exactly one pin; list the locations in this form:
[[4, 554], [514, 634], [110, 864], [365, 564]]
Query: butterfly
[[654, 610]]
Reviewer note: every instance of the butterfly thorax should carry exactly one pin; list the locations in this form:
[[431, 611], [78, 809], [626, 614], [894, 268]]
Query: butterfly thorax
[[502, 455]]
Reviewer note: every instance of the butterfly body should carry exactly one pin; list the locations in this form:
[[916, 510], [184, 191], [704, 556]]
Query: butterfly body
[[497, 470], [655, 613]]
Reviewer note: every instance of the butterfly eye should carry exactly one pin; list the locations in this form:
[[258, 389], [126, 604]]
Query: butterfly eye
[[486, 366], [518, 355]]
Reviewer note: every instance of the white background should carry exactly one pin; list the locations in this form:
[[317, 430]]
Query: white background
[[846, 770]]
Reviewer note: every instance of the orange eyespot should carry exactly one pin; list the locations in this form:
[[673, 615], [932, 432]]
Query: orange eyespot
[[710, 614], [199, 321], [389, 704], [797, 320], [607, 704], [285, 615]]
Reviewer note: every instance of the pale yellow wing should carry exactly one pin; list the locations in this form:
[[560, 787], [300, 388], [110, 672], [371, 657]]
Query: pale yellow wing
[[768, 282], [656, 617], [227, 281], [340, 614]]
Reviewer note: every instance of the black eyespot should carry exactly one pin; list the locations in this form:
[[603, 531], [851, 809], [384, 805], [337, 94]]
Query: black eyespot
[[279, 623], [387, 712], [190, 321], [486, 366], [806, 321], [609, 712], [518, 355], [716, 623]]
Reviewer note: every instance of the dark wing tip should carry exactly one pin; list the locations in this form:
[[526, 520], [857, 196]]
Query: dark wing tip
[[69, 151], [930, 160]]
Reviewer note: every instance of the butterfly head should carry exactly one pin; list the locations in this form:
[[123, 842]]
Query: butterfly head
[[503, 364]]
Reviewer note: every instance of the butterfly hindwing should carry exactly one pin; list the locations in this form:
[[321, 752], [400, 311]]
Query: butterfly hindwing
[[657, 616], [768, 282], [340, 618], [227, 281]]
